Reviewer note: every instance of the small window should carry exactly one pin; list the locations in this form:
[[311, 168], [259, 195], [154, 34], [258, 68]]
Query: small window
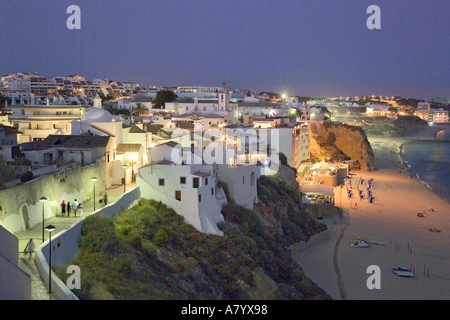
[[178, 195], [161, 182], [195, 183], [199, 198], [212, 191], [182, 180], [206, 181]]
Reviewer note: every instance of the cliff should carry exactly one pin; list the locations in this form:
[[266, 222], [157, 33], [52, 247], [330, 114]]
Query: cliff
[[149, 252], [341, 142]]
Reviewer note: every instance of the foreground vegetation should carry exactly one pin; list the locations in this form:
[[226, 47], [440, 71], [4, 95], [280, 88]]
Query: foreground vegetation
[[149, 252]]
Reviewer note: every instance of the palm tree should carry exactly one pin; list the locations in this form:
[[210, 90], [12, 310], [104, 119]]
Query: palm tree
[[138, 110]]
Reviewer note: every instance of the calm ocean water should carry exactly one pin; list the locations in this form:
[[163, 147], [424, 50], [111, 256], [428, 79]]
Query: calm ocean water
[[431, 162]]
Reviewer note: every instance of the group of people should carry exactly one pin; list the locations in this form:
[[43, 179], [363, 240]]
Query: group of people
[[75, 206], [78, 207]]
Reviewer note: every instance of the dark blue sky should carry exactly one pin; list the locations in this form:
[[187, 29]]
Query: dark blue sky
[[313, 47]]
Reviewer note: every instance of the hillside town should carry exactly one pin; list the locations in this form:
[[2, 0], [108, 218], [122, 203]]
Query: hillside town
[[178, 145]]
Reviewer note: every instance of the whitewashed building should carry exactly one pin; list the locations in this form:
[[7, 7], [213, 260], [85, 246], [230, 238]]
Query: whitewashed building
[[188, 189]]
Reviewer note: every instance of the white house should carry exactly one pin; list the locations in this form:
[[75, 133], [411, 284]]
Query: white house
[[188, 189]]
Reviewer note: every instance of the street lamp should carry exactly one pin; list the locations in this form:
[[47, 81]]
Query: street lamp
[[43, 199], [50, 228], [124, 176], [93, 179], [151, 157], [132, 168]]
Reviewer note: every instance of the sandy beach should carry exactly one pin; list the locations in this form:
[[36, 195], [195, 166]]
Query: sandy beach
[[391, 219]]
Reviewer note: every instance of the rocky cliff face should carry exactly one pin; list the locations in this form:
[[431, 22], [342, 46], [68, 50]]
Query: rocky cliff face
[[341, 142]]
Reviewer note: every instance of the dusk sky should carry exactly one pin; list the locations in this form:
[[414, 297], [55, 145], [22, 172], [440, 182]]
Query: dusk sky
[[312, 48]]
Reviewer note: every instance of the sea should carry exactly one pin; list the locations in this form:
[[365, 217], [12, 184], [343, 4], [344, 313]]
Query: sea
[[429, 162]]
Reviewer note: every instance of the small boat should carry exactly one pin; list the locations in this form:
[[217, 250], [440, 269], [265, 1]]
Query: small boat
[[359, 242], [403, 272]]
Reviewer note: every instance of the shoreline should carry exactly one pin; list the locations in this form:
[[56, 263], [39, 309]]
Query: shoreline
[[391, 219], [416, 177]]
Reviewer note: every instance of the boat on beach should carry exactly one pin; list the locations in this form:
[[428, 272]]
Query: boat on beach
[[403, 272]]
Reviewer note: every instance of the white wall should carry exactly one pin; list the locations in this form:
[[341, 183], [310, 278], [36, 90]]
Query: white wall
[[22, 209], [241, 182], [15, 284], [68, 241], [205, 215]]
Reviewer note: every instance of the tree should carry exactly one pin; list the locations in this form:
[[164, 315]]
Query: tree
[[138, 109], [298, 113], [7, 173], [392, 110], [163, 96], [196, 114]]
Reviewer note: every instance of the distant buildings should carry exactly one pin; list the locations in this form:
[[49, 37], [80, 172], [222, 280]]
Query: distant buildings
[[36, 122], [33, 87], [376, 110], [425, 112]]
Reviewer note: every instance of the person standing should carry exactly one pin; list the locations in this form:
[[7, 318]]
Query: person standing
[[29, 247], [80, 210], [68, 209], [63, 208], [75, 207], [105, 198]]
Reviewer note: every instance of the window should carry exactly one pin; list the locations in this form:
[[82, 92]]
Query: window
[[182, 180], [161, 182], [178, 195], [252, 179], [243, 179], [212, 191], [195, 182], [206, 181], [199, 198]]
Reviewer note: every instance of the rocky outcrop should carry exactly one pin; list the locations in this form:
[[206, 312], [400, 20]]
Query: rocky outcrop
[[342, 142]]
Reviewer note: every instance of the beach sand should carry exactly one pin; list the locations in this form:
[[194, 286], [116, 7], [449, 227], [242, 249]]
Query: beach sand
[[391, 219]]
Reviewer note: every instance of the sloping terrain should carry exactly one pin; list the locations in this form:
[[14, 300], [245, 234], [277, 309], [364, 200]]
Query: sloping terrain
[[149, 252]]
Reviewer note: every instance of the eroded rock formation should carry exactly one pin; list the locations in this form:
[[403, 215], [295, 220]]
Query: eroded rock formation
[[341, 142]]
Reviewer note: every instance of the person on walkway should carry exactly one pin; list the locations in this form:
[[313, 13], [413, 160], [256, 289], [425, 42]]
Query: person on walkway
[[29, 247], [80, 210], [75, 207], [68, 209], [63, 208], [105, 198]]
